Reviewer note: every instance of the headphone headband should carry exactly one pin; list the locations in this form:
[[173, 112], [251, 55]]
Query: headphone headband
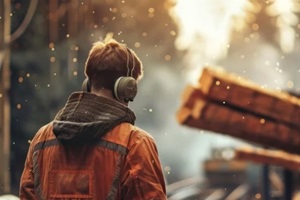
[[127, 63]]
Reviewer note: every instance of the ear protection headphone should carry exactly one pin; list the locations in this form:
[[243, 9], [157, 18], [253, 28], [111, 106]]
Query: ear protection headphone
[[86, 85], [125, 87]]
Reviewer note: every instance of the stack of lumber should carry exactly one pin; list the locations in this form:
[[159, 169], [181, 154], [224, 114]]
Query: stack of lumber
[[228, 104], [267, 156]]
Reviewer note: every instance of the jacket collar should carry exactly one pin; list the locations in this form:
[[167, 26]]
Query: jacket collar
[[87, 116]]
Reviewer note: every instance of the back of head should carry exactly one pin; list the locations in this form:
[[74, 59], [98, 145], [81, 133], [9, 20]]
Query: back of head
[[109, 60]]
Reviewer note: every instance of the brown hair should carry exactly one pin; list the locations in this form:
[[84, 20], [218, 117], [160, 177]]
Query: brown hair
[[109, 60]]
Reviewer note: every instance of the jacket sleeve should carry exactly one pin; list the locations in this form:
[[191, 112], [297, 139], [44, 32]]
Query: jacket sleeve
[[142, 176], [27, 179]]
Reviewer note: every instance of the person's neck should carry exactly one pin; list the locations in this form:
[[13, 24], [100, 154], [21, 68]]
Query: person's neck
[[106, 93]]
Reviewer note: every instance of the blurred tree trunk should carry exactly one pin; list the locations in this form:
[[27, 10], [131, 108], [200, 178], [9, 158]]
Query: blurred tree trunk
[[5, 24]]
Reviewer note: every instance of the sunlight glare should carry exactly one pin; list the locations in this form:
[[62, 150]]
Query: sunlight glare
[[284, 11], [205, 27], [207, 23]]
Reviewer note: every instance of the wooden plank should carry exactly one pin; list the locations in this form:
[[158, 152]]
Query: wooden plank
[[265, 156], [220, 86], [237, 123], [239, 97]]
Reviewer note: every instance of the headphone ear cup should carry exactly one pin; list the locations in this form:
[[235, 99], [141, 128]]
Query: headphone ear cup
[[86, 85], [125, 89]]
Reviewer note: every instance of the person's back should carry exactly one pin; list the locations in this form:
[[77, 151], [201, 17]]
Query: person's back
[[92, 150]]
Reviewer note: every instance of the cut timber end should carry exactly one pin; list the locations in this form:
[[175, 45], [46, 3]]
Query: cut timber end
[[183, 115], [190, 95], [198, 109]]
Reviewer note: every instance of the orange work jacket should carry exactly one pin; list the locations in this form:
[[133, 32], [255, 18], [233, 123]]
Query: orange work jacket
[[121, 164]]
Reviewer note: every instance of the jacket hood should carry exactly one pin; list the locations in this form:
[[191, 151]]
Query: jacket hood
[[87, 116]]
